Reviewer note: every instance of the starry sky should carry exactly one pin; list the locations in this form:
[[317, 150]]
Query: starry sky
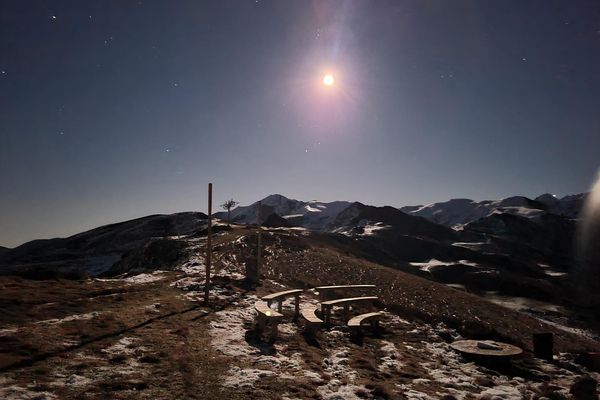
[[111, 110]]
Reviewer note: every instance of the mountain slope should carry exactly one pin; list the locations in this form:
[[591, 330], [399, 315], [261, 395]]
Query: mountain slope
[[369, 220], [96, 250], [152, 336]]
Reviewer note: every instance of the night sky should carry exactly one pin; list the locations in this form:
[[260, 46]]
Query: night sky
[[111, 110]]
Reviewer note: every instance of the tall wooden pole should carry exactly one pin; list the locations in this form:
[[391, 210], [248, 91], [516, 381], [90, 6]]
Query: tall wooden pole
[[208, 245], [259, 244]]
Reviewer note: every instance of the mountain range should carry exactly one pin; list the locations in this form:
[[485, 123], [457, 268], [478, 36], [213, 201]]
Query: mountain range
[[458, 212], [517, 245]]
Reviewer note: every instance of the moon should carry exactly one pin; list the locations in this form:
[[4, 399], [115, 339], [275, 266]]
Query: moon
[[328, 80]]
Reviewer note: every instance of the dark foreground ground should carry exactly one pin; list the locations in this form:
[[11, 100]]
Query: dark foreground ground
[[150, 336]]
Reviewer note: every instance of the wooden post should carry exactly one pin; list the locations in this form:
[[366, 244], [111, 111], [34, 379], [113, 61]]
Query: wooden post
[[273, 330], [346, 309], [297, 307], [208, 245], [259, 244], [543, 345]]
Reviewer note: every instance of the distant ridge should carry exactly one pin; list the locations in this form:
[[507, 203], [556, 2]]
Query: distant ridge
[[456, 213], [96, 250], [312, 214]]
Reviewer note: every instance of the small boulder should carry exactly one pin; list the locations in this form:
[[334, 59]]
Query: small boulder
[[584, 388]]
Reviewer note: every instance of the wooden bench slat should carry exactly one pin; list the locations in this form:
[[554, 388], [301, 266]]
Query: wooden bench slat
[[285, 293], [359, 319], [348, 300]]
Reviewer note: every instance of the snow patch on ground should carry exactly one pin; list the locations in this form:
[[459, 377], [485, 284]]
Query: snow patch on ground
[[312, 209], [412, 394], [72, 380], [469, 245], [292, 216], [372, 229], [8, 331], [14, 392], [192, 268], [521, 303], [145, 278], [434, 263], [228, 330], [464, 379], [124, 347], [427, 266], [390, 361], [153, 307], [75, 317], [245, 378], [228, 337], [137, 279], [555, 273], [341, 376], [194, 288]]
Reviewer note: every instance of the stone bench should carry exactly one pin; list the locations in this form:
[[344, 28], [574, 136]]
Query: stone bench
[[280, 296], [266, 314], [325, 290], [311, 320], [355, 323], [326, 306]]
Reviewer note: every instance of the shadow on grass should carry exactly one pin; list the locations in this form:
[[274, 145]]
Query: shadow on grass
[[84, 342], [311, 339], [253, 339]]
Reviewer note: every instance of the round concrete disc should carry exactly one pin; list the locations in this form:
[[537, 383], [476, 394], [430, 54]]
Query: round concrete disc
[[486, 348]]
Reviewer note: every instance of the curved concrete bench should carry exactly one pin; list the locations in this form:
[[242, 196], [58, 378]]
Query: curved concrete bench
[[324, 290], [265, 313], [355, 323], [373, 317], [326, 306], [280, 296], [311, 319]]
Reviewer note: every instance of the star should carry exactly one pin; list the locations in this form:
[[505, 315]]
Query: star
[[168, 150], [54, 17], [175, 84], [523, 59], [61, 133]]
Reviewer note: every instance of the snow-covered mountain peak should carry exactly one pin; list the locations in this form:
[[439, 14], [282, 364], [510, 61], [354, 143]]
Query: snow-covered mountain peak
[[458, 212], [312, 214]]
